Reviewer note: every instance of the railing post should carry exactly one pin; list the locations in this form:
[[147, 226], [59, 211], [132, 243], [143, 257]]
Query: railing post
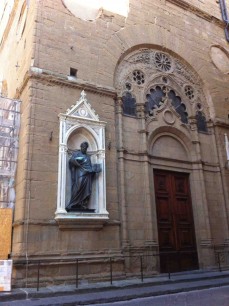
[[77, 273], [111, 272], [219, 262], [168, 265], [38, 275], [141, 268], [179, 259]]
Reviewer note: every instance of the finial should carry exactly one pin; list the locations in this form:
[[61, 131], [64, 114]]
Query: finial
[[83, 95]]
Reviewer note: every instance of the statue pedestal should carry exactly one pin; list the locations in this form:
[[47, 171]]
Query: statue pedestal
[[81, 220]]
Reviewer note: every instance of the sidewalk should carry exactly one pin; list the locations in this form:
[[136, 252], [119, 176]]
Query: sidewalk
[[118, 291]]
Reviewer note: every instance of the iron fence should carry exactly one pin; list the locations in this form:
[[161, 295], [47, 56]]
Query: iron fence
[[109, 260]]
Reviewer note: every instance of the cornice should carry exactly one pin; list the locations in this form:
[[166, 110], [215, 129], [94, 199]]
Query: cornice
[[35, 222], [195, 10], [221, 122], [50, 77]]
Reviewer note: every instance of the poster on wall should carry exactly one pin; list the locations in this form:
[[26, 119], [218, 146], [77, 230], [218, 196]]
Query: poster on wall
[[5, 275], [6, 215]]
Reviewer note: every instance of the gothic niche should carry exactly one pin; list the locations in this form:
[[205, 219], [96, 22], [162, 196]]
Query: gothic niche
[[81, 198]]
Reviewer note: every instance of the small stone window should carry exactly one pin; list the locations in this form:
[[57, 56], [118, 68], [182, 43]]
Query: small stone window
[[189, 91], [154, 99], [179, 106], [129, 105], [73, 72], [138, 77], [201, 122]]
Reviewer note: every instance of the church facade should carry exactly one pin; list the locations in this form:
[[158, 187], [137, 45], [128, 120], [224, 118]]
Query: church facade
[[148, 90]]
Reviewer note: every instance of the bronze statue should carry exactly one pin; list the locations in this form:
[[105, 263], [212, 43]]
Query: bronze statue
[[82, 173]]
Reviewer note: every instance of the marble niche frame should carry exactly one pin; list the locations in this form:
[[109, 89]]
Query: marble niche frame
[[81, 123]]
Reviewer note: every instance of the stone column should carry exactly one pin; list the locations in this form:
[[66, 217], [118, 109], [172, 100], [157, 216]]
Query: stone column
[[222, 181], [62, 169], [121, 174], [143, 151], [199, 202]]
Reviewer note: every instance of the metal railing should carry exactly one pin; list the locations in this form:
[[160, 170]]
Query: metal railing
[[222, 259], [107, 260]]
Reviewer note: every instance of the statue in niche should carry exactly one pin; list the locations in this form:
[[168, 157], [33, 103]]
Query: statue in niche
[[82, 174]]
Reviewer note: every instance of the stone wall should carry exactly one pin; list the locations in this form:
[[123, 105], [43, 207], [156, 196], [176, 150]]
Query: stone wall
[[54, 41], [94, 48]]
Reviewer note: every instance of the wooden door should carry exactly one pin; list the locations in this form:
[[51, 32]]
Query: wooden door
[[175, 222]]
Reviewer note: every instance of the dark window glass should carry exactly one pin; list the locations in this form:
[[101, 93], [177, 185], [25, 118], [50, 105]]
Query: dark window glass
[[201, 122], [129, 104], [179, 106], [155, 98]]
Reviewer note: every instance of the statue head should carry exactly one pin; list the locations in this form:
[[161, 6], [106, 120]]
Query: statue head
[[84, 145]]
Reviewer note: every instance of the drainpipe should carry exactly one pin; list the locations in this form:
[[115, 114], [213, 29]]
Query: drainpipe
[[225, 17]]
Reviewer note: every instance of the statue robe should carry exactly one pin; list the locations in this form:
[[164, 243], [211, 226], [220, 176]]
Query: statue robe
[[81, 175]]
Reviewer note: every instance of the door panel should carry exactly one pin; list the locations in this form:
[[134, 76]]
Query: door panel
[[175, 222]]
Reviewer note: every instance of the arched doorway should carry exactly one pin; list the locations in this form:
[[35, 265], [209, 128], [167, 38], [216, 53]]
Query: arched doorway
[[162, 107], [171, 167]]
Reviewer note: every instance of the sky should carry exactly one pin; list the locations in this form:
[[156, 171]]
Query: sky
[[5, 11]]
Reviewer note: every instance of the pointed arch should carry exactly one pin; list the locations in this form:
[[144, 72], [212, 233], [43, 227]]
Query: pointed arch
[[157, 65]]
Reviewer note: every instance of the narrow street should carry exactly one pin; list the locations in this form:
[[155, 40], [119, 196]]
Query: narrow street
[[218, 296], [207, 297]]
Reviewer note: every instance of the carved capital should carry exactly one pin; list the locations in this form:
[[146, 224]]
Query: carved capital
[[140, 110], [193, 123], [119, 105], [63, 148]]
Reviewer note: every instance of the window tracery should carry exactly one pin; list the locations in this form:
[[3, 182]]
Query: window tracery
[[158, 96], [129, 104], [189, 91], [201, 122], [179, 106], [161, 81], [163, 62], [155, 98], [138, 77]]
